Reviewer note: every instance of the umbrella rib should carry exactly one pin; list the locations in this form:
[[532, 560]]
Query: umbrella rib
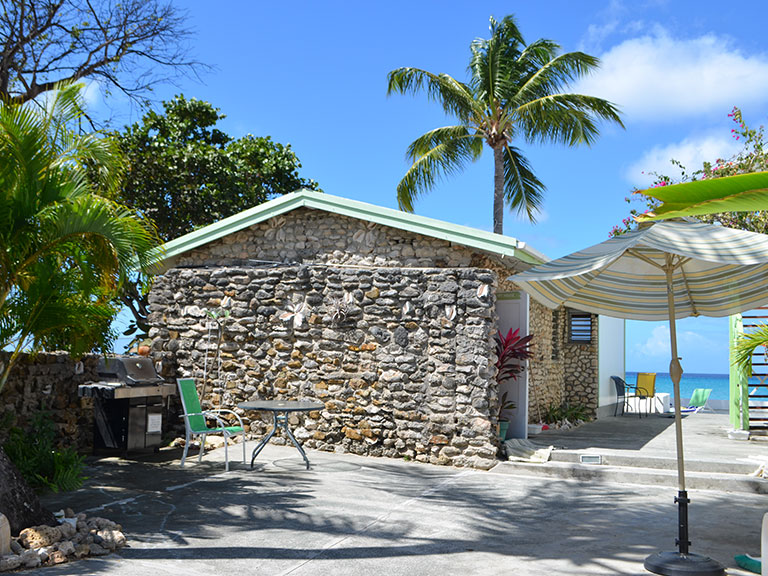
[[645, 258], [688, 289]]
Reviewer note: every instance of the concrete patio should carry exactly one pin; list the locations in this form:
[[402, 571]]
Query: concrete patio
[[643, 451], [355, 515]]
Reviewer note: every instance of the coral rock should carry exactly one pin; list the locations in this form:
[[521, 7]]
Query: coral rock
[[109, 538], [39, 536], [9, 562], [57, 557]]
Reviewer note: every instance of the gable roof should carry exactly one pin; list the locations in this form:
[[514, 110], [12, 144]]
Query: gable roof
[[464, 235]]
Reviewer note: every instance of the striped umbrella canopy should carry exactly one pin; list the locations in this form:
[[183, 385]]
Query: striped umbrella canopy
[[665, 270], [716, 271]]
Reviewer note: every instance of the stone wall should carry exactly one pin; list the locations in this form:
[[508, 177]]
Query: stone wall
[[305, 235], [402, 358], [545, 368], [581, 371], [48, 383]]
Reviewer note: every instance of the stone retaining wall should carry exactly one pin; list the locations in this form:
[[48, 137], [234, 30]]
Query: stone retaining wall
[[48, 383], [401, 357]]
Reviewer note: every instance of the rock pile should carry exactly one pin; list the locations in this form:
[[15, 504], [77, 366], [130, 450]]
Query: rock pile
[[75, 537]]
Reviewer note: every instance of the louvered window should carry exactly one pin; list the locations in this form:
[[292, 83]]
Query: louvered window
[[580, 326]]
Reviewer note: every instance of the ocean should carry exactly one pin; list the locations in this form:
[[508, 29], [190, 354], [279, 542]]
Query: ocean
[[717, 382]]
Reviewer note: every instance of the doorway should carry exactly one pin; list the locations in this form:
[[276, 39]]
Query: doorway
[[512, 309]]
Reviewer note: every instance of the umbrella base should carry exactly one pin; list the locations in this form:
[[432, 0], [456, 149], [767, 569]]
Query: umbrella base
[[677, 564]]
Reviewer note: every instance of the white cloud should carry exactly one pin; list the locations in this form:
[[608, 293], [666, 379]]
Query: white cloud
[[691, 152], [657, 343], [92, 94], [688, 342], [657, 77]]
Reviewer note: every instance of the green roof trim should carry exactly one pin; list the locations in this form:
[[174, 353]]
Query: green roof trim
[[463, 235]]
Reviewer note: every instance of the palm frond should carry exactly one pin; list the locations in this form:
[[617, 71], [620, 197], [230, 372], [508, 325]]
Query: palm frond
[[522, 189], [746, 346], [565, 118], [489, 65], [549, 73], [454, 96], [437, 153]]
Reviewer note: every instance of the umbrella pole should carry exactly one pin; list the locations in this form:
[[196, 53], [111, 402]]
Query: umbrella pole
[[682, 562], [676, 373]]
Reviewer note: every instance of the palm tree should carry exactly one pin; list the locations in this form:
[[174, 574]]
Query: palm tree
[[64, 244], [514, 93]]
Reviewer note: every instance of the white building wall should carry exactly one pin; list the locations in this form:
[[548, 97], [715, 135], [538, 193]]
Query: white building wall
[[611, 361]]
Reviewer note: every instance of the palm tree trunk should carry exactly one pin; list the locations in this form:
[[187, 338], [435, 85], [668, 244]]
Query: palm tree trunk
[[498, 190]]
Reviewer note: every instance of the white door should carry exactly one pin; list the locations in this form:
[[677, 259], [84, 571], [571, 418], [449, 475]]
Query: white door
[[512, 308]]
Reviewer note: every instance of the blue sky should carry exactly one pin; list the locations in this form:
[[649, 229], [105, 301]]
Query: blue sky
[[313, 74]]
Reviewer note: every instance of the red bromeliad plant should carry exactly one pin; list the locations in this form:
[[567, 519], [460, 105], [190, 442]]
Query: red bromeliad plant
[[510, 351]]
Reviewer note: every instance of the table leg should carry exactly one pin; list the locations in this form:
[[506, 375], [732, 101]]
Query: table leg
[[264, 440], [284, 422]]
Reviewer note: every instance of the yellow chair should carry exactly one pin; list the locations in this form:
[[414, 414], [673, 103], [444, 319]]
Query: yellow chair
[[646, 388]]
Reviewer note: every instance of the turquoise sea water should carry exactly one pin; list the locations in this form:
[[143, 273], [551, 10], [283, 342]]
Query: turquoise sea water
[[717, 382]]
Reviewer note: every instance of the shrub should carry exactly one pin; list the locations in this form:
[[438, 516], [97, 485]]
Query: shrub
[[43, 466]]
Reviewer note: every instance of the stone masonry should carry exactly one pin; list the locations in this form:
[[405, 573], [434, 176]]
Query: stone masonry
[[581, 369], [401, 357], [48, 383], [392, 330]]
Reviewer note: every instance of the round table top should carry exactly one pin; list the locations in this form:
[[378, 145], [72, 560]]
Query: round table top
[[282, 405]]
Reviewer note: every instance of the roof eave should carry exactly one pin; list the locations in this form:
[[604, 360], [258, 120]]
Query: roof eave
[[505, 246]]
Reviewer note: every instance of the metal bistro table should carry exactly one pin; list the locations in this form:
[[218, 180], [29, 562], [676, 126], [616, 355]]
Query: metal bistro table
[[280, 410]]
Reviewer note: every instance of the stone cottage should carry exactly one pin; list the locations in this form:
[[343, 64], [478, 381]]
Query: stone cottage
[[386, 317]]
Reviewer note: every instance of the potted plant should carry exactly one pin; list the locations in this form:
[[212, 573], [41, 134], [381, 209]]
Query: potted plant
[[502, 423], [511, 351]]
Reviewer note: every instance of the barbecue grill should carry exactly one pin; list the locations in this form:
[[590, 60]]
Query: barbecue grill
[[128, 403]]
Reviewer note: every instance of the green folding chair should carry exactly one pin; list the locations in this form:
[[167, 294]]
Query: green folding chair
[[196, 421], [699, 401]]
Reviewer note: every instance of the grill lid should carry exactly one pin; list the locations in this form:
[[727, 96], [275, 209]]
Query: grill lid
[[133, 370]]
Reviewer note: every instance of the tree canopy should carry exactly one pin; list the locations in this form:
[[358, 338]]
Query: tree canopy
[[64, 245], [184, 172], [128, 45], [514, 93]]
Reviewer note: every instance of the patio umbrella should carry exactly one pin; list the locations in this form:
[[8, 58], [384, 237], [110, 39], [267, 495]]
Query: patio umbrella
[[665, 270]]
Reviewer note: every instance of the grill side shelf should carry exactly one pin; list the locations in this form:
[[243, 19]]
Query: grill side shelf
[[115, 392]]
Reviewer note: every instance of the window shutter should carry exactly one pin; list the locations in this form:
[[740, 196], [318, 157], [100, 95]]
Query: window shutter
[[580, 326]]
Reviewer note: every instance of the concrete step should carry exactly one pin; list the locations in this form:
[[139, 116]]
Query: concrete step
[[656, 462], [695, 480]]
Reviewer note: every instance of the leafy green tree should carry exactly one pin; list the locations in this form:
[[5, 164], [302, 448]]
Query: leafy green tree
[[514, 93], [64, 245], [185, 173]]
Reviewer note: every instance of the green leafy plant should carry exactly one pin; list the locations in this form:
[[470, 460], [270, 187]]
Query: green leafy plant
[[572, 412], [553, 414], [505, 405], [43, 466]]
